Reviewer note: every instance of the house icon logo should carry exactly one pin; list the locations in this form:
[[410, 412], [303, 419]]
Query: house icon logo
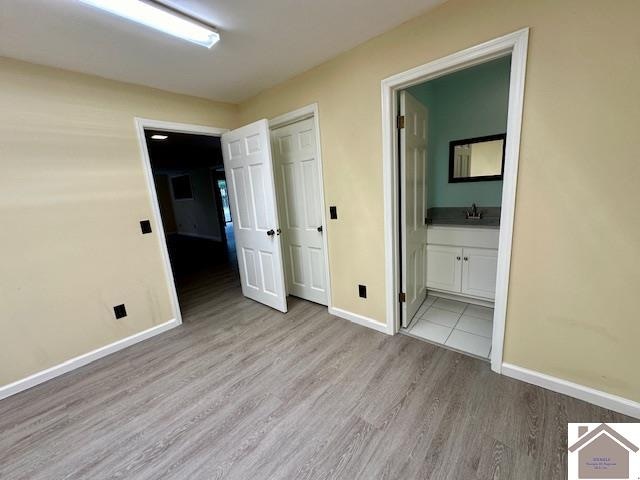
[[604, 451]]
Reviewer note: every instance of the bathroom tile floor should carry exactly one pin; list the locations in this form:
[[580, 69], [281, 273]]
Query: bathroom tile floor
[[461, 326]]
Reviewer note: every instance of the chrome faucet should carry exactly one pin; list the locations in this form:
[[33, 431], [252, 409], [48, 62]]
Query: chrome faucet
[[473, 214]]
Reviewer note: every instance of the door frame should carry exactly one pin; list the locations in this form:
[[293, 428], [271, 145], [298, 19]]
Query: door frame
[[514, 44], [303, 113], [140, 125]]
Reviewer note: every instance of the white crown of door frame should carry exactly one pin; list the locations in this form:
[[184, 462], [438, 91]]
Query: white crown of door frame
[[515, 44], [303, 113], [140, 125]]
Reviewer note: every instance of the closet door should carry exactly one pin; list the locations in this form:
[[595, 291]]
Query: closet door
[[252, 195], [295, 158]]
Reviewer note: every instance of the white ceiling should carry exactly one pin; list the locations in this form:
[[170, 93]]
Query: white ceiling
[[263, 41]]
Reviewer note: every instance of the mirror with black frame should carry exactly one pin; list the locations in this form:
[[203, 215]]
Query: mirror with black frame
[[477, 159]]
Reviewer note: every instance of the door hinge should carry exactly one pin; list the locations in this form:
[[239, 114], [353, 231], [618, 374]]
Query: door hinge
[[402, 297], [400, 121]]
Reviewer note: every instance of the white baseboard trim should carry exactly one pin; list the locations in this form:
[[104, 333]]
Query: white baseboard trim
[[591, 395], [359, 319], [77, 362], [461, 298]]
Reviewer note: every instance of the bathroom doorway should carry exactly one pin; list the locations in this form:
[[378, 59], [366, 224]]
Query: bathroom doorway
[[465, 246], [452, 133]]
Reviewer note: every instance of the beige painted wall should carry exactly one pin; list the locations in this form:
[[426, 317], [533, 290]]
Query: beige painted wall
[[72, 191], [572, 308]]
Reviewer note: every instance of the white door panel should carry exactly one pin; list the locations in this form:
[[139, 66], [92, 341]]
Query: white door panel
[[479, 268], [444, 267], [297, 179], [249, 172], [413, 188]]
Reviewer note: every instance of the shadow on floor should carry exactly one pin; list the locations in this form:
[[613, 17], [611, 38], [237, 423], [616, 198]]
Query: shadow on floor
[[192, 256]]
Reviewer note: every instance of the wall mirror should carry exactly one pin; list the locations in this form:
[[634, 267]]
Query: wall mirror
[[477, 159]]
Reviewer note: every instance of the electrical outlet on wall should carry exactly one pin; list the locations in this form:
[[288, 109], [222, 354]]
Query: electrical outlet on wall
[[362, 291], [120, 311], [145, 226]]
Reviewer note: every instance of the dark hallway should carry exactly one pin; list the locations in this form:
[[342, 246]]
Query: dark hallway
[[191, 189]]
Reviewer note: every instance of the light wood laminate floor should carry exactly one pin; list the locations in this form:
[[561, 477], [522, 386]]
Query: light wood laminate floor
[[241, 391]]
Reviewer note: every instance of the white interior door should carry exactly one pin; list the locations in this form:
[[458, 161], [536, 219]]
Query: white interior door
[[252, 196], [298, 188], [413, 208]]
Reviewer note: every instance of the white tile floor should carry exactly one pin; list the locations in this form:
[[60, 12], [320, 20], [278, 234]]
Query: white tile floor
[[458, 325]]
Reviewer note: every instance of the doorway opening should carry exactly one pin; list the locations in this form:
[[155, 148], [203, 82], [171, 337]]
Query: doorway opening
[[184, 166], [454, 262], [451, 151], [245, 232]]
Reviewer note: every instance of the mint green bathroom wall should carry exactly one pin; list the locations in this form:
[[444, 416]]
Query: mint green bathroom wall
[[465, 104]]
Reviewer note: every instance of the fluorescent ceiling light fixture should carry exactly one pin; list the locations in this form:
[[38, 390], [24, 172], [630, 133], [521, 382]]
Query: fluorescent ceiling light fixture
[[159, 137], [161, 18]]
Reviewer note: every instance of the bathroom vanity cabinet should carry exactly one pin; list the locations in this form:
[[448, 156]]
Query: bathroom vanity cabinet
[[462, 260]]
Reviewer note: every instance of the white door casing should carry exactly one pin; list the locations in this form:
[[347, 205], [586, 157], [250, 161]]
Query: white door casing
[[299, 198], [413, 208], [249, 171]]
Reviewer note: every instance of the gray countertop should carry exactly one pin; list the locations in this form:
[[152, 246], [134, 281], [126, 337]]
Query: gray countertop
[[463, 222], [455, 216]]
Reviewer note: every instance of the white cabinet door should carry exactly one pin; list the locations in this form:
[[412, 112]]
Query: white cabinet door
[[479, 267], [247, 164], [413, 180], [444, 268], [298, 186]]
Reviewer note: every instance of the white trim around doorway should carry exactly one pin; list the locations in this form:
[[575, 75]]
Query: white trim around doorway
[[144, 123], [514, 44], [303, 113]]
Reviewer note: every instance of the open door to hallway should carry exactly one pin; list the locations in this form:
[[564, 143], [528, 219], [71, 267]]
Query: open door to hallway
[[249, 171]]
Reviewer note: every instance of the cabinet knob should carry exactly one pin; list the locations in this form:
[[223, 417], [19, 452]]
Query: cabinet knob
[[466, 259], [458, 258]]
